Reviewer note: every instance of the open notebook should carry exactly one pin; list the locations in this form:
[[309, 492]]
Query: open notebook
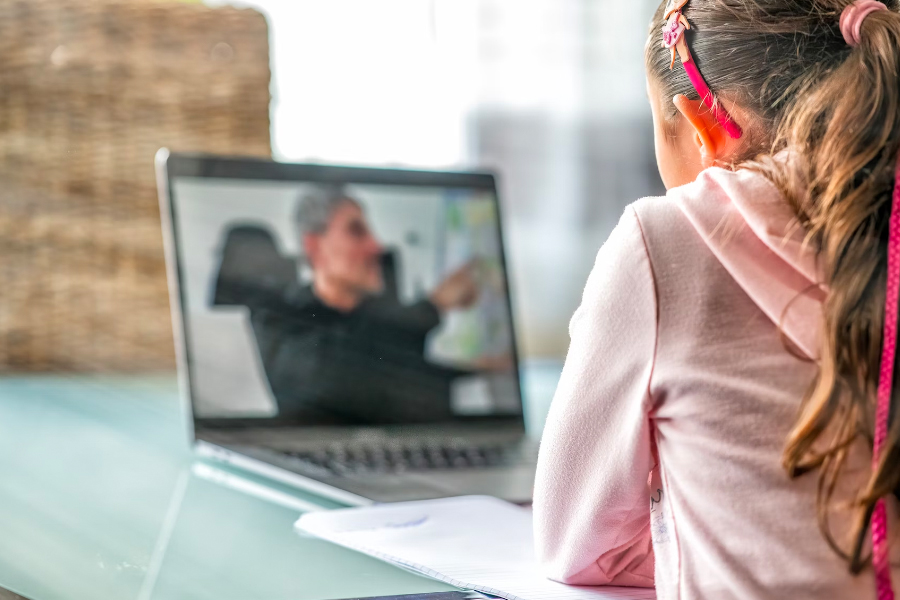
[[473, 542]]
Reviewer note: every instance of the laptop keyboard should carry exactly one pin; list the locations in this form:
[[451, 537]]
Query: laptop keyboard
[[347, 461]]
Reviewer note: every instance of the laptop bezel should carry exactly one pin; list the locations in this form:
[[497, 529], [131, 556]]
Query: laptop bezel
[[171, 166]]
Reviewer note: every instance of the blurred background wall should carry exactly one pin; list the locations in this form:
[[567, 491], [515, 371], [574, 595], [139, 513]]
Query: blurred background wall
[[548, 93]]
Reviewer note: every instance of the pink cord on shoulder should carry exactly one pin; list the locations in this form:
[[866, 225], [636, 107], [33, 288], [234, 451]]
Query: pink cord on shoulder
[[880, 555]]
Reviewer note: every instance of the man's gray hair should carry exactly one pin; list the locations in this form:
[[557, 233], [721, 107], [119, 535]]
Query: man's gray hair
[[316, 207]]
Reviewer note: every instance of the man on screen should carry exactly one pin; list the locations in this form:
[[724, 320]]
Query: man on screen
[[342, 349]]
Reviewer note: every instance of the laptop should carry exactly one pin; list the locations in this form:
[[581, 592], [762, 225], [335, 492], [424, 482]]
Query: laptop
[[346, 330]]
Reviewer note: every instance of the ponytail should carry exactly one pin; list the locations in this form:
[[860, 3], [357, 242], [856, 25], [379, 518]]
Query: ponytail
[[843, 136]]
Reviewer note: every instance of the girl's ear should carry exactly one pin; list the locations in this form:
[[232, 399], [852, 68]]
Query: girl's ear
[[712, 141]]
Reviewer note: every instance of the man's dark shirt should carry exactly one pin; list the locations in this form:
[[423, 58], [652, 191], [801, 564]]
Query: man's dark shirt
[[366, 366]]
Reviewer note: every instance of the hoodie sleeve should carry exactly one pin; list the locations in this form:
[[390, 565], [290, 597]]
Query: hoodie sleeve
[[592, 492]]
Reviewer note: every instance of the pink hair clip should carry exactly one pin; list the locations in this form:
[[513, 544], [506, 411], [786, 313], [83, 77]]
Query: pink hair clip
[[674, 39]]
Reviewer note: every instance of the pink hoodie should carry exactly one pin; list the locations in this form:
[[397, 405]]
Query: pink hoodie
[[675, 402]]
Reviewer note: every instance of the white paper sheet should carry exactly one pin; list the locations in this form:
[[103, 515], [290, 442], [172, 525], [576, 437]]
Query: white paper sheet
[[473, 542]]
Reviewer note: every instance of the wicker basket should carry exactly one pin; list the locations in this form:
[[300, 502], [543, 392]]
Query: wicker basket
[[89, 91]]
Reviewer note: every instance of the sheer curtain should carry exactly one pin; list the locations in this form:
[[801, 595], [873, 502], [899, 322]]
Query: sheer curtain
[[549, 94]]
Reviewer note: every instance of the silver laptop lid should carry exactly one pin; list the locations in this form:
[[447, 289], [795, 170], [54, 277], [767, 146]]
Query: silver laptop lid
[[337, 297]]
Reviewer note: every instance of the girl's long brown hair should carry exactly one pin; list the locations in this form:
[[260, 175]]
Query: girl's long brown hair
[[834, 113]]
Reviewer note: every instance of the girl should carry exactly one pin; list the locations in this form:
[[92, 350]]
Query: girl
[[713, 430]]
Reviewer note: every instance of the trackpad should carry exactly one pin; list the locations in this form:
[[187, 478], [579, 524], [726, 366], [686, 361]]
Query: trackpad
[[391, 488], [513, 484]]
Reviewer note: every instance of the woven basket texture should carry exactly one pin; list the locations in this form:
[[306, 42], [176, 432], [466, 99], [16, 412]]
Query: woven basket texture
[[89, 91]]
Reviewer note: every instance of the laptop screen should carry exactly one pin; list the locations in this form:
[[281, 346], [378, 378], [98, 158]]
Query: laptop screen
[[316, 295]]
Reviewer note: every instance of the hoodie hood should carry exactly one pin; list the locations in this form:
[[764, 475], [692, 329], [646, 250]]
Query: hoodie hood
[[747, 224]]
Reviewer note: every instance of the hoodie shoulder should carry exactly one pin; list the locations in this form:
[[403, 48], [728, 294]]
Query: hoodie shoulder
[[668, 235], [734, 228], [667, 217]]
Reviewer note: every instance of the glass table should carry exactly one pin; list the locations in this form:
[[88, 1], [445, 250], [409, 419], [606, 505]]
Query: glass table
[[102, 498]]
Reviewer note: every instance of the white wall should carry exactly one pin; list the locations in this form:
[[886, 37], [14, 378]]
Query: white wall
[[548, 93]]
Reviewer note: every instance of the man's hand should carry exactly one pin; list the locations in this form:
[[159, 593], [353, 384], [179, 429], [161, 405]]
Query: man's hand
[[458, 290], [498, 363]]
